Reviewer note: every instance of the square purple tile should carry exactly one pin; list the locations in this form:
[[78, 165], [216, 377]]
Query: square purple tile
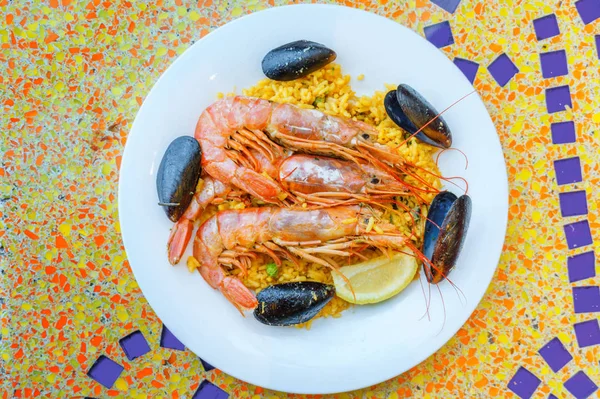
[[134, 345], [448, 5], [551, 396], [587, 333], [168, 340], [563, 132], [598, 45], [503, 69], [578, 234], [207, 366], [568, 171], [208, 390], [555, 354], [558, 98], [440, 35], [580, 385], [581, 266], [573, 203], [468, 68], [589, 10], [554, 63], [546, 27], [105, 371], [524, 383], [586, 299]]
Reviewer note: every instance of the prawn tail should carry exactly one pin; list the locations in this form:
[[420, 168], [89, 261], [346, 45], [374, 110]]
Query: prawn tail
[[179, 239], [238, 294]]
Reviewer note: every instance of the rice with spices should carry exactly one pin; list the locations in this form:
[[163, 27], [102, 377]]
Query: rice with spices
[[329, 90]]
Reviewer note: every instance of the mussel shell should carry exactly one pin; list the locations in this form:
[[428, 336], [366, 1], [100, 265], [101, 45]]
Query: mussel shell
[[393, 110], [296, 59], [450, 241], [419, 111], [178, 175], [292, 303], [438, 210]]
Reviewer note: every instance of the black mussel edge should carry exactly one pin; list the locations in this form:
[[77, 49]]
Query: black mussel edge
[[421, 112], [177, 175], [296, 59], [439, 208], [292, 303], [442, 211], [397, 115]]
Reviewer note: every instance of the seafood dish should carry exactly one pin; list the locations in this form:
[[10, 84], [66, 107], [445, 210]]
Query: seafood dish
[[300, 198]]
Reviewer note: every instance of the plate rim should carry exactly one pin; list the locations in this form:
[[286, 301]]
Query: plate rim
[[470, 309]]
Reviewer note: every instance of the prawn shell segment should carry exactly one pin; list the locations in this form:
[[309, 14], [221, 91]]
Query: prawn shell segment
[[292, 303], [177, 176], [442, 245], [313, 174], [296, 59]]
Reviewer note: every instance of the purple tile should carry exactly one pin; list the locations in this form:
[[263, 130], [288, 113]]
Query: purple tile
[[568, 171], [524, 383], [578, 234], [551, 396], [168, 340], [586, 299], [558, 98], [546, 27], [469, 68], [554, 63], [105, 371], [208, 390], [598, 46], [580, 385], [563, 132], [448, 5], [573, 203], [589, 10], [503, 69], [587, 333], [555, 354], [207, 366], [581, 266], [440, 35], [134, 345]]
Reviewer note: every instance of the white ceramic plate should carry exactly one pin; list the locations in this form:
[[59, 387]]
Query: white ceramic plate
[[369, 344]]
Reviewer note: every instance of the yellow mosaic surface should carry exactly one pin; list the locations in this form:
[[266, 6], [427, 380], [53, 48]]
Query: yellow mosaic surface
[[73, 75]]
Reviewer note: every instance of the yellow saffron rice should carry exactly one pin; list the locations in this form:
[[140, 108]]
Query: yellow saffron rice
[[329, 90]]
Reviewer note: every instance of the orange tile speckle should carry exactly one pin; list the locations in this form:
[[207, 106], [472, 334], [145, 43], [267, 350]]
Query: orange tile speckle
[[73, 70]]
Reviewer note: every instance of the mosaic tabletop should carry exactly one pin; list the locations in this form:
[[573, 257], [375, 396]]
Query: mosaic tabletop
[[73, 74]]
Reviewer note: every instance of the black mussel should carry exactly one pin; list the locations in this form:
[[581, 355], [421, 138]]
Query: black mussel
[[435, 218], [292, 303], [420, 112], [442, 245], [296, 59], [178, 176], [397, 115], [393, 110]]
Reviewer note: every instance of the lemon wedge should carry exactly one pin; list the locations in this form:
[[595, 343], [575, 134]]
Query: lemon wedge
[[375, 280]]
